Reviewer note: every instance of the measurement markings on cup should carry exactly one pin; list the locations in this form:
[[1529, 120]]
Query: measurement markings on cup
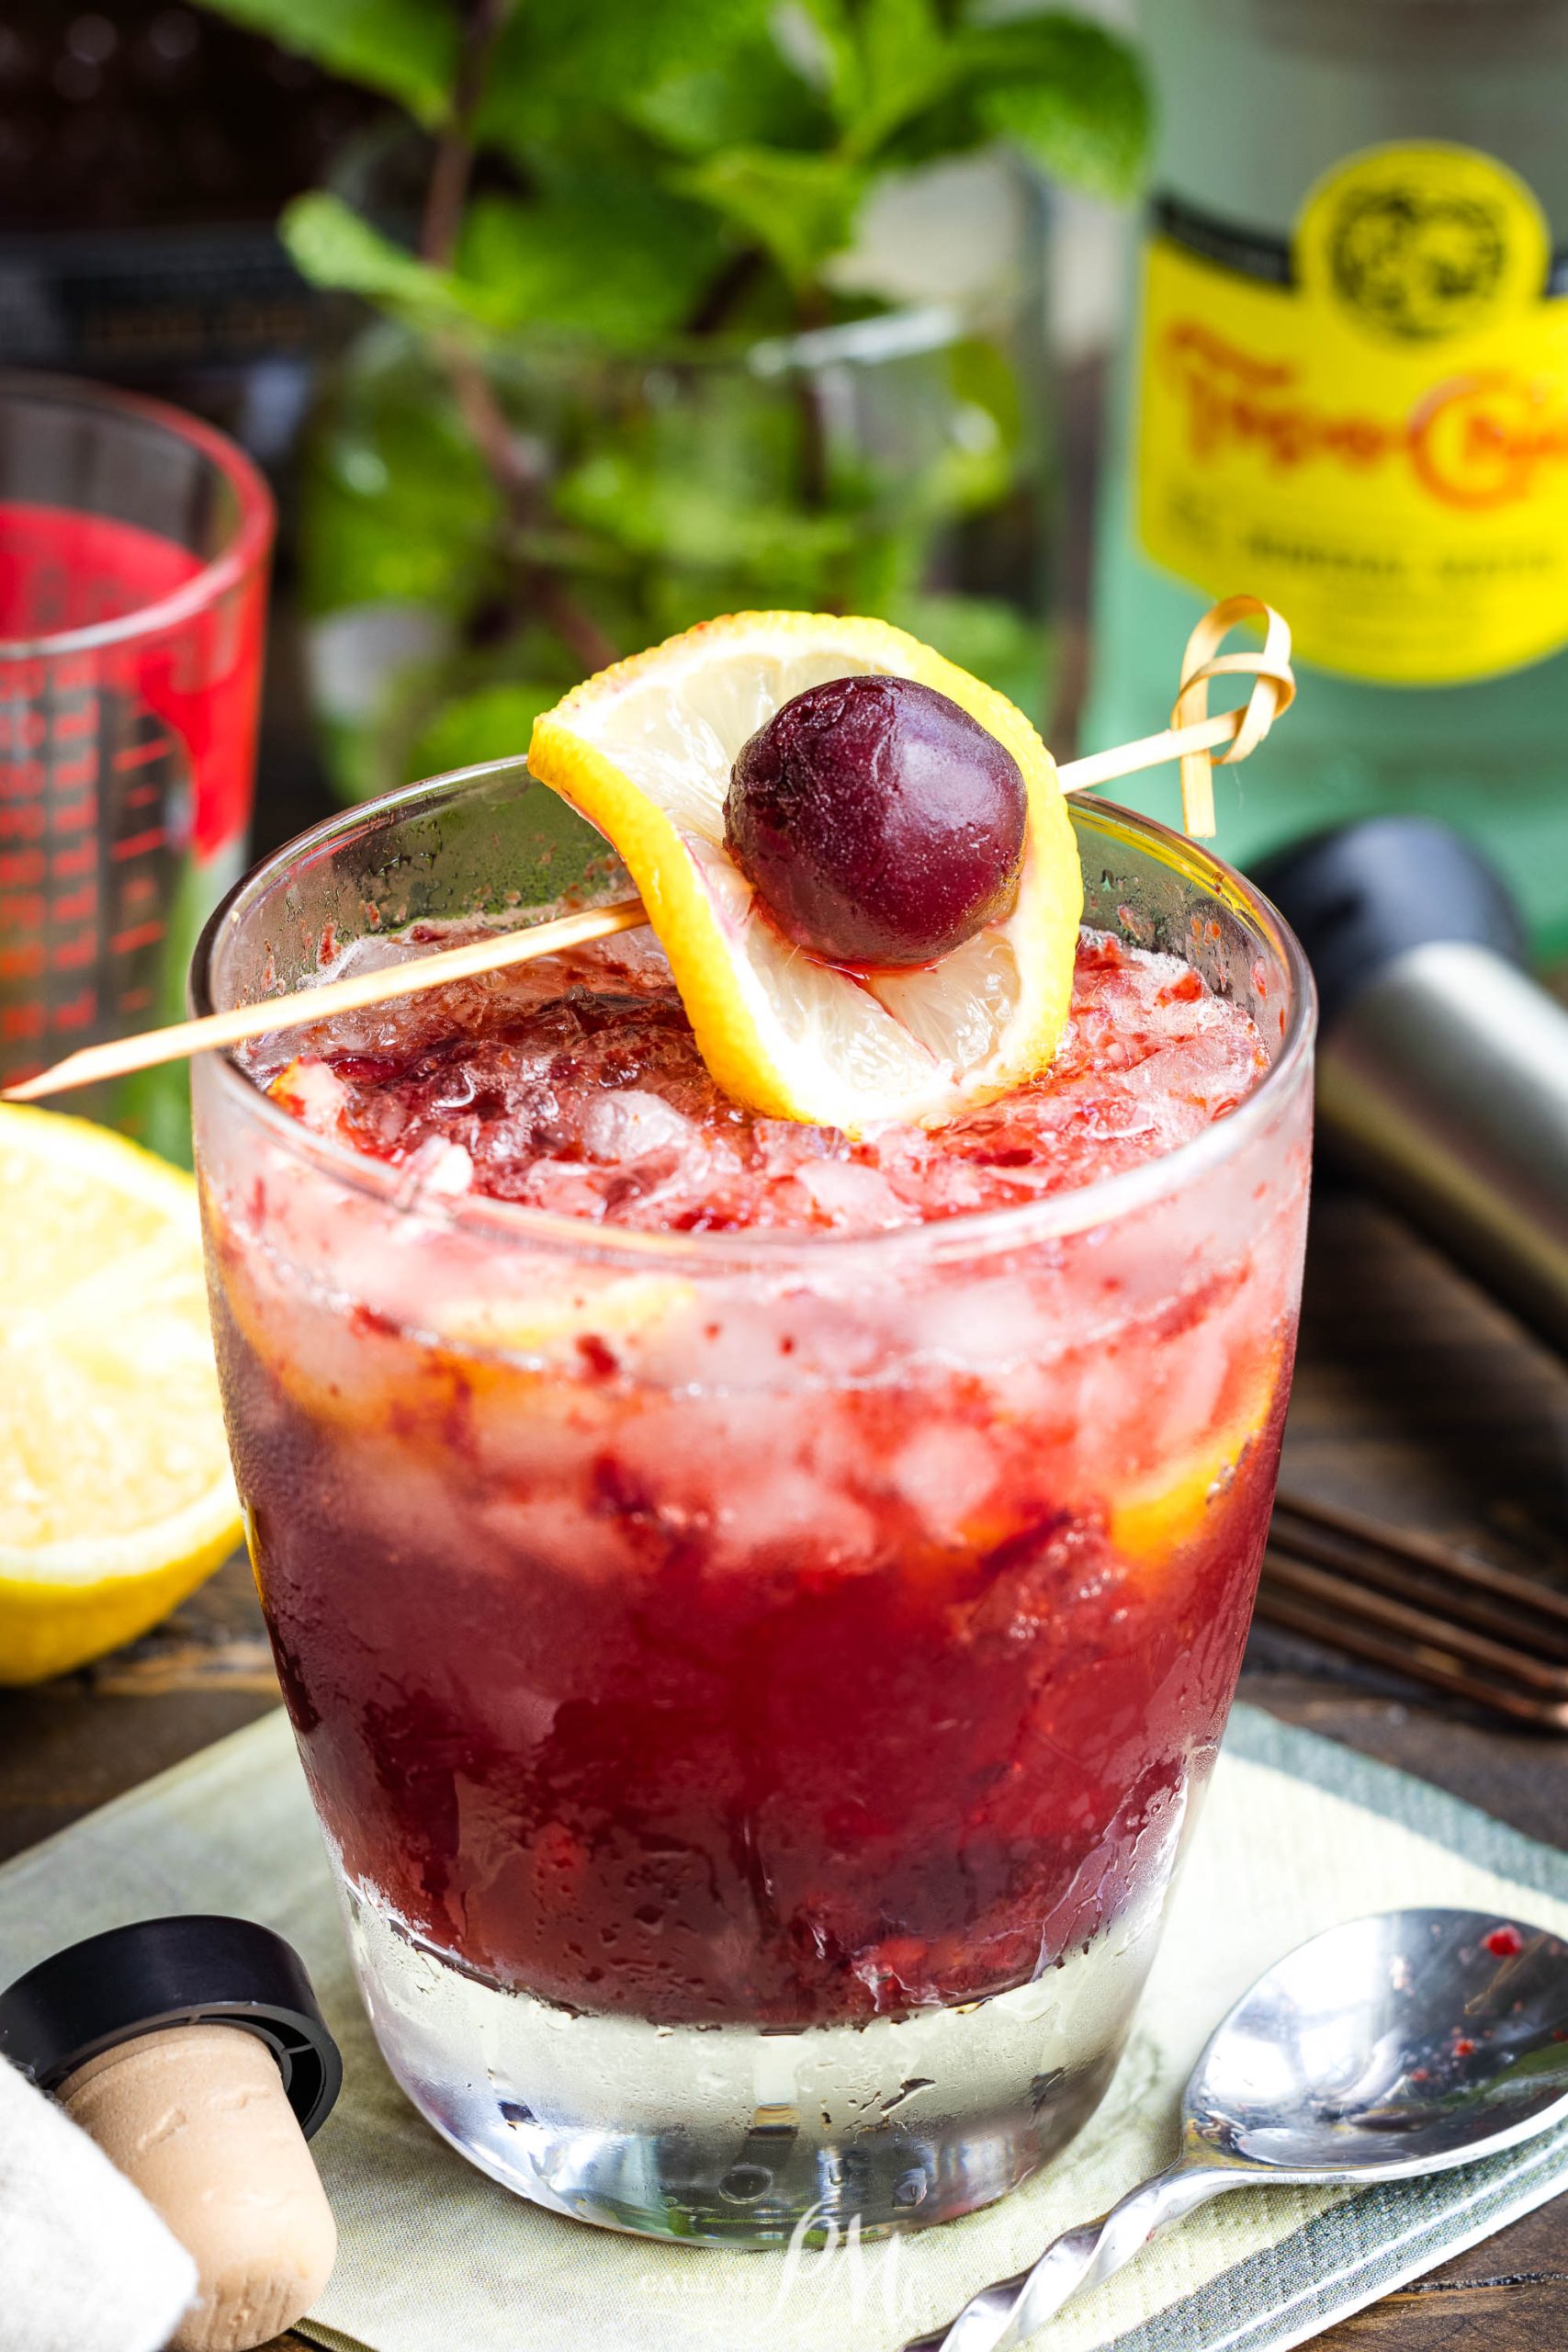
[[95, 797]]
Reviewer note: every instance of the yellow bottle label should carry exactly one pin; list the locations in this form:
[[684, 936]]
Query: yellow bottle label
[[1372, 430]]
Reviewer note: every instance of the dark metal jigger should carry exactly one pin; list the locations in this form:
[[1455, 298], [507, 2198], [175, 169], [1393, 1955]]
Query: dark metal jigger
[[1442, 1068]]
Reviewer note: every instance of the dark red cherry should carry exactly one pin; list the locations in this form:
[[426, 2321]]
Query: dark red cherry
[[878, 822]]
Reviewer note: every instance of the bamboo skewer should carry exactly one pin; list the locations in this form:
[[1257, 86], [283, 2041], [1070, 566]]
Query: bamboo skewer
[[1192, 738], [245, 1022]]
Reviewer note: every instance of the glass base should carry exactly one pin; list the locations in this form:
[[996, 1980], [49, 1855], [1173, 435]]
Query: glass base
[[731, 2135]]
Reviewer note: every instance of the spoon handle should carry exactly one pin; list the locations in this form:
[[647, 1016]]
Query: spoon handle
[[1003, 2315]]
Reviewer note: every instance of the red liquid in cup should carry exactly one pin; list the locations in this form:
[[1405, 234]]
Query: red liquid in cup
[[119, 763]]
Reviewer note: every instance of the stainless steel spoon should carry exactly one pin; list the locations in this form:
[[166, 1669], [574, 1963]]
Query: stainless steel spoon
[[1383, 2049]]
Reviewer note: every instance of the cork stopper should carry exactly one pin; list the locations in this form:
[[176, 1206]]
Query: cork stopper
[[198, 2117], [193, 2052]]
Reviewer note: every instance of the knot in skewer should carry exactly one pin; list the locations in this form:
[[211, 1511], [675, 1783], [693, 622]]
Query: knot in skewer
[[1274, 690]]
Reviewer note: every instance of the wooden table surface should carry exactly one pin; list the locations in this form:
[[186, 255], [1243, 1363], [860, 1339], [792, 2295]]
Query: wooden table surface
[[1416, 1399]]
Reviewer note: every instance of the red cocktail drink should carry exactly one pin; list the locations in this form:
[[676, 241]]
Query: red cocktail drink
[[758, 1607]]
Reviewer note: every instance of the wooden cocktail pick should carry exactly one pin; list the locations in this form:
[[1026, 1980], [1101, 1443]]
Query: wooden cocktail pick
[[1192, 737]]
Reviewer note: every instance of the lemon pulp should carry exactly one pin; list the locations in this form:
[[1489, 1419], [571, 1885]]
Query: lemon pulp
[[116, 1498]]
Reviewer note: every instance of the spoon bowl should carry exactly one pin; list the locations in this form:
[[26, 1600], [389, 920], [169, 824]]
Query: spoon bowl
[[1390, 2046], [1384, 2049]]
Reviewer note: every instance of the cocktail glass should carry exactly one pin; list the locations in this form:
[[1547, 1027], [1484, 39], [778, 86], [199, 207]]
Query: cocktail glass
[[755, 1687]]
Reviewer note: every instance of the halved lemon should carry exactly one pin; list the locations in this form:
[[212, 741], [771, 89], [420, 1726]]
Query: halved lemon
[[644, 751], [115, 1496]]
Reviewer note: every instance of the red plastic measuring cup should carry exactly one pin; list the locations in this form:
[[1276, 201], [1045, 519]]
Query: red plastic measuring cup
[[133, 552]]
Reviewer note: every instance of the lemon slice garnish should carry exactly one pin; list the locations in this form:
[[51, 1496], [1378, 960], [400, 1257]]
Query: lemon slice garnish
[[644, 751], [1148, 1523], [115, 1497]]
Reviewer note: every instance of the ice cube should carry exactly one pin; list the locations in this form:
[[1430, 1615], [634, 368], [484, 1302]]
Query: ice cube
[[437, 1167], [946, 1472], [629, 1125], [849, 1194], [312, 1092]]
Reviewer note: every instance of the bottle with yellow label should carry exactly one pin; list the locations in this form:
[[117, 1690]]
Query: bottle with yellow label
[[1347, 390]]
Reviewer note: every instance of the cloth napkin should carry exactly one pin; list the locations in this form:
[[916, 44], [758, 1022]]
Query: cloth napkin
[[1297, 1833], [86, 2264]]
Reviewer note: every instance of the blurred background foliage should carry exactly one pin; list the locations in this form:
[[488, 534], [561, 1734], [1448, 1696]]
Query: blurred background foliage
[[637, 355]]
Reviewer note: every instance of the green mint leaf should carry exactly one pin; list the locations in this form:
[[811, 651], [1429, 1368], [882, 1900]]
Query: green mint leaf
[[801, 207], [398, 508], [333, 246], [621, 261], [492, 723], [752, 96], [406, 49], [888, 561], [661, 512], [1067, 93], [450, 707], [817, 37], [992, 639], [906, 63], [559, 61]]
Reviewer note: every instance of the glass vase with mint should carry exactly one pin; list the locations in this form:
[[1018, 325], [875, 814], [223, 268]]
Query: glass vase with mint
[[681, 311]]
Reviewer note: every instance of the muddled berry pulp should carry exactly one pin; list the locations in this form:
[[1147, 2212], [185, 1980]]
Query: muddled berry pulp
[[794, 1639], [575, 1084]]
